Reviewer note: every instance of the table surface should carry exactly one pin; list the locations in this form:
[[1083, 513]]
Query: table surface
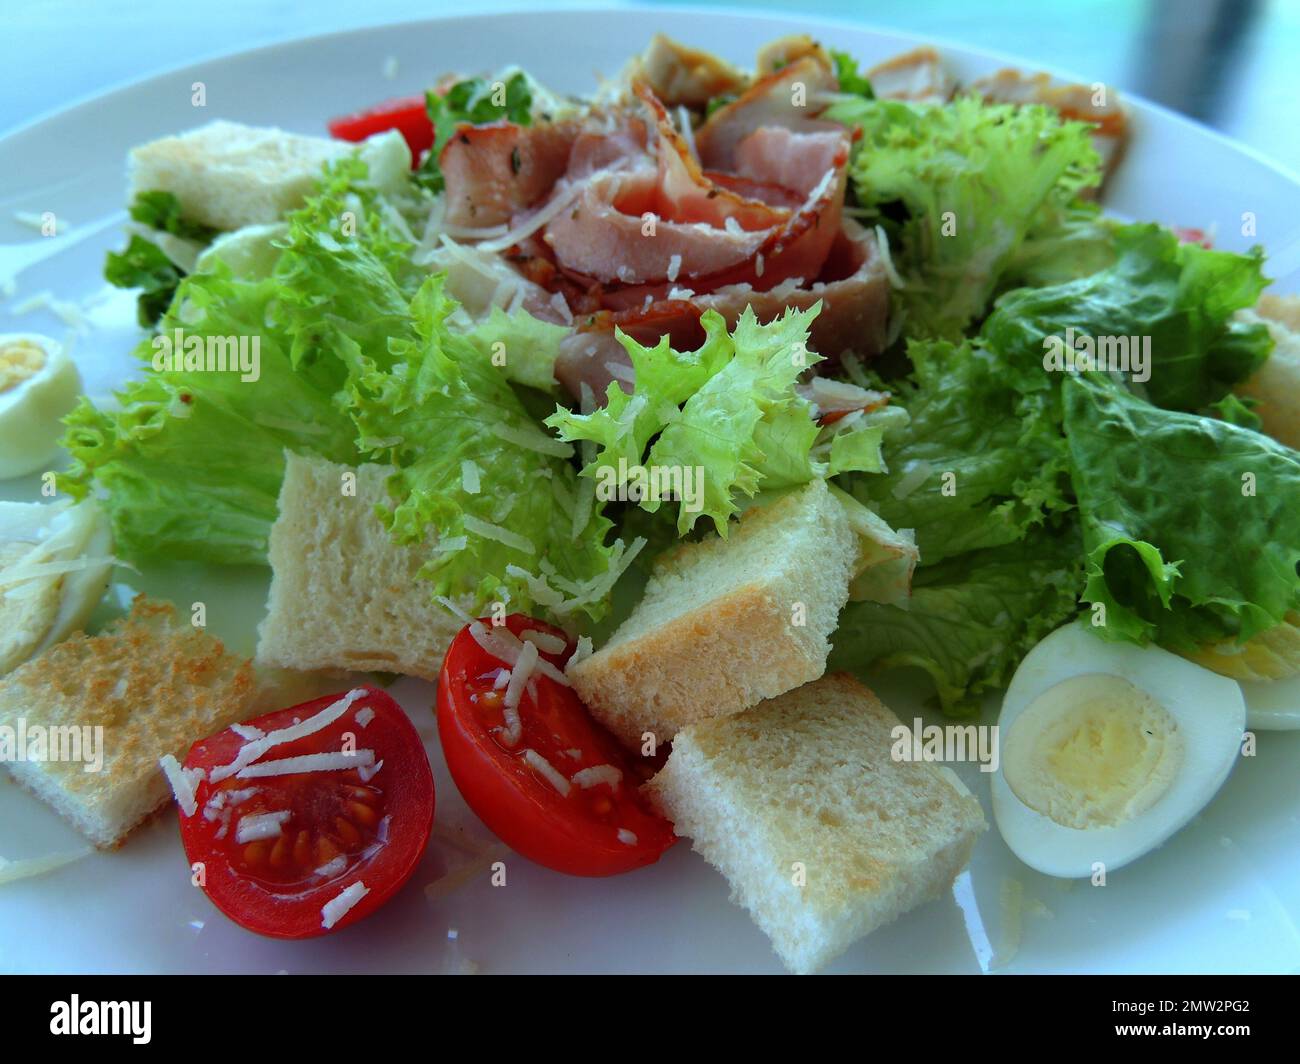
[[1228, 63]]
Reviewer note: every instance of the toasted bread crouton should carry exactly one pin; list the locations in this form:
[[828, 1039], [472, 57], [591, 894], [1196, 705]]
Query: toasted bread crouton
[[1276, 384], [155, 685], [728, 622], [821, 834], [227, 175], [344, 595]]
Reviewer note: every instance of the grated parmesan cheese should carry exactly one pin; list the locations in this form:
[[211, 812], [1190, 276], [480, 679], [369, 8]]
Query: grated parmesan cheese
[[336, 908], [182, 783], [582, 650], [590, 777], [545, 641], [28, 867], [487, 530], [333, 867], [887, 259], [251, 751], [547, 771], [261, 826], [336, 761], [519, 675], [469, 477]]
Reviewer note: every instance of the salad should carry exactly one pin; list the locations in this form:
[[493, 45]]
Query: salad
[[585, 337]]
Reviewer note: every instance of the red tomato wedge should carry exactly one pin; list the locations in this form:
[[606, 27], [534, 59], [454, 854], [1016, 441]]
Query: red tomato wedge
[[407, 115], [276, 847], [527, 783]]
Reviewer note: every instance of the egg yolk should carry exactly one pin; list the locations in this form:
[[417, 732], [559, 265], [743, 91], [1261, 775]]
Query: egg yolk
[[1092, 751], [20, 360]]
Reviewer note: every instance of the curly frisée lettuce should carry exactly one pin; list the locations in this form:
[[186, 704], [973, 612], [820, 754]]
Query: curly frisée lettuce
[[191, 459], [354, 362], [958, 188], [725, 415], [1191, 526], [478, 482]]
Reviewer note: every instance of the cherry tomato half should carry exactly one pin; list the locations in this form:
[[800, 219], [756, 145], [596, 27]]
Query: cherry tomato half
[[555, 786], [407, 115], [312, 834]]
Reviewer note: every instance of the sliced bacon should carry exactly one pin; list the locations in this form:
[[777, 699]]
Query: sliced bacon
[[598, 241], [790, 98], [496, 170], [918, 76], [605, 238], [643, 235], [682, 75], [684, 193], [853, 290]]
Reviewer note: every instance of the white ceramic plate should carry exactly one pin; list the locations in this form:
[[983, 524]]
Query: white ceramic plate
[[1223, 895]]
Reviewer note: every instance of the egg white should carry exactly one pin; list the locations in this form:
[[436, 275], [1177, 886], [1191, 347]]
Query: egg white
[[1211, 716], [31, 414]]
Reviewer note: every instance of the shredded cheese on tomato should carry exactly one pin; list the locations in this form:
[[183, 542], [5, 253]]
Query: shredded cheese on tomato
[[261, 826], [545, 641], [590, 777], [254, 749], [338, 907], [547, 771], [335, 761], [182, 783]]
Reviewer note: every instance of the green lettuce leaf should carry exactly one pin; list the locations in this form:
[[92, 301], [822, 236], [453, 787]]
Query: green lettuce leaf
[[1067, 241], [1191, 525], [192, 460], [522, 346], [727, 414], [143, 265], [162, 210], [970, 619], [478, 482], [979, 462], [1180, 298], [957, 189], [851, 80]]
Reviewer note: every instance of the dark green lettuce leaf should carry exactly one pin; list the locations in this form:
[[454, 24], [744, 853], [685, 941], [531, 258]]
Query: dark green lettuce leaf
[[1191, 525]]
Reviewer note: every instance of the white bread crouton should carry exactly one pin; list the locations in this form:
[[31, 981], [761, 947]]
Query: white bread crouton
[[807, 779], [1276, 384], [728, 622], [155, 685], [343, 594], [227, 175]]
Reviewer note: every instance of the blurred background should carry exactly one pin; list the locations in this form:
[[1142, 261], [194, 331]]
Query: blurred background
[[1231, 64]]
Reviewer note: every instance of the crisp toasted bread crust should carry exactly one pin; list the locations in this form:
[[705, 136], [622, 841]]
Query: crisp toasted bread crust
[[155, 685], [821, 833], [726, 623]]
